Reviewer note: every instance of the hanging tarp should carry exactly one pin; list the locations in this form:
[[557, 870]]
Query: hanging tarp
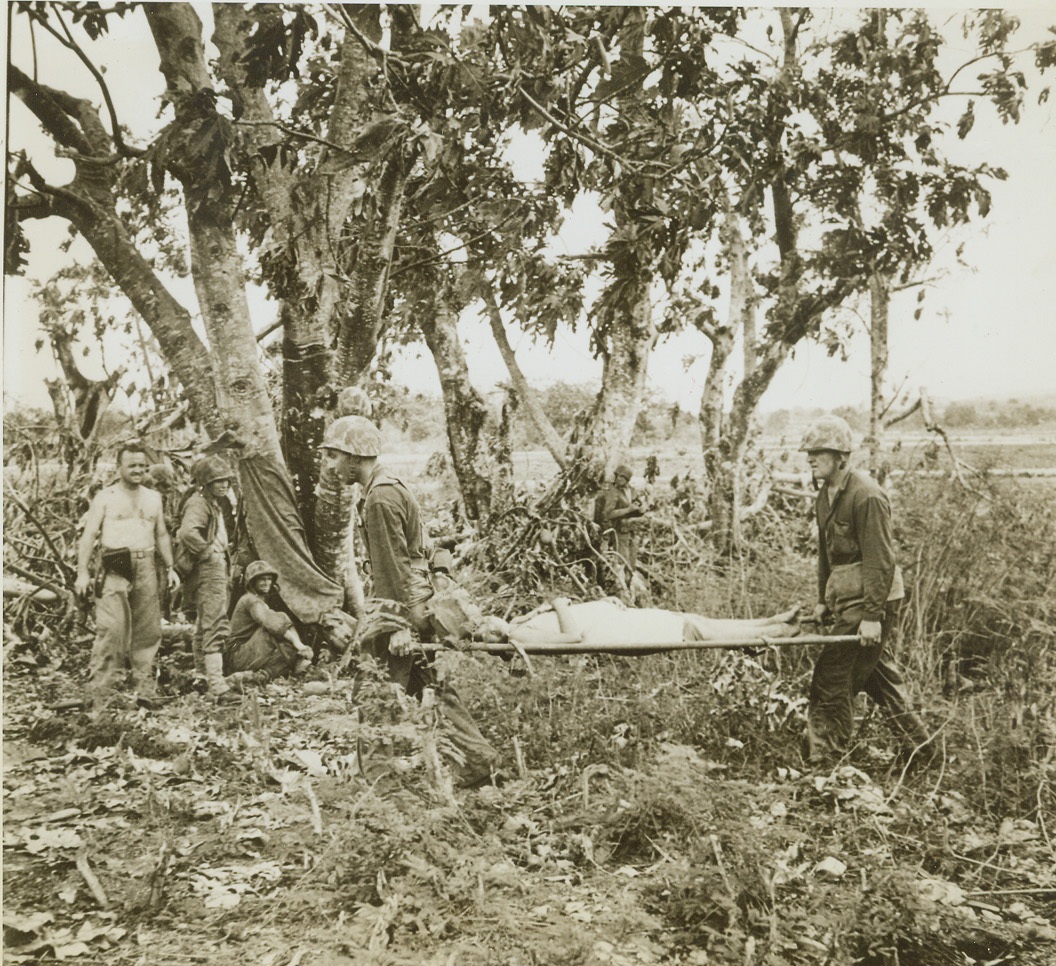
[[275, 527]]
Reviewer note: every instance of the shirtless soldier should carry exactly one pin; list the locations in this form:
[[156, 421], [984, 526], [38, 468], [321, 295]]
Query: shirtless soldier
[[127, 520]]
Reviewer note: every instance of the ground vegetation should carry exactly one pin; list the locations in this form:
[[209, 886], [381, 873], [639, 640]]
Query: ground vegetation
[[651, 809]]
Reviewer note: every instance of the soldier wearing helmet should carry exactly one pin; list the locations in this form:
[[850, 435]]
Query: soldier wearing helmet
[[390, 529], [860, 588], [263, 643], [202, 556], [616, 511], [389, 521]]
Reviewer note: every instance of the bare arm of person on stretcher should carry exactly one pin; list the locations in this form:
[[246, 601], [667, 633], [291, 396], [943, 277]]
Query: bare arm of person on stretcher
[[496, 630]]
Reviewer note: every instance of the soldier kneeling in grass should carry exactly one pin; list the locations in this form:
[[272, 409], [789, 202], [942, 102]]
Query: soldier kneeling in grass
[[263, 643]]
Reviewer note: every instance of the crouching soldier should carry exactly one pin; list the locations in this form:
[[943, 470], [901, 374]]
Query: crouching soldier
[[390, 526], [263, 643]]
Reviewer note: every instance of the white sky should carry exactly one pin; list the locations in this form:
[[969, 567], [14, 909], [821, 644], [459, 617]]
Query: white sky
[[986, 330]]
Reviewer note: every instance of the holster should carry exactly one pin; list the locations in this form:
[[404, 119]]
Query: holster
[[118, 562], [845, 588]]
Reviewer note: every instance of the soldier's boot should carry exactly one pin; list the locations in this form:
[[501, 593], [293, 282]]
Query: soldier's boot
[[198, 679], [240, 681], [219, 690], [303, 660]]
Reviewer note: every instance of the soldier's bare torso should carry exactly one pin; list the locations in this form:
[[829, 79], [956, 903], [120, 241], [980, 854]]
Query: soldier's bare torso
[[129, 517]]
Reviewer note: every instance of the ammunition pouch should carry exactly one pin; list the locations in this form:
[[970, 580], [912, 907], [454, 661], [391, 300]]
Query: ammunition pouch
[[117, 562]]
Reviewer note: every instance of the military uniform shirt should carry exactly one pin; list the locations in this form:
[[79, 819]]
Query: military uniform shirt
[[854, 524], [391, 527]]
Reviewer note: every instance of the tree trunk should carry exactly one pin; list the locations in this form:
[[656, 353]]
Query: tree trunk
[[360, 328], [628, 346], [526, 395], [742, 296], [307, 225], [745, 402], [723, 451], [713, 434], [242, 393], [626, 333], [465, 411], [880, 301], [89, 202], [216, 264]]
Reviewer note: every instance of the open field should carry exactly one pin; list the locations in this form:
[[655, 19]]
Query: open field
[[1019, 451]]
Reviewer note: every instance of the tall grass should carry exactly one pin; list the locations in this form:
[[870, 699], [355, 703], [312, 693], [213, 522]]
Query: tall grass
[[980, 632]]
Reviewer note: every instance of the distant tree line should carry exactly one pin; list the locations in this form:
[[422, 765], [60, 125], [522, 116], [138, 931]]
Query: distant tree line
[[972, 414]]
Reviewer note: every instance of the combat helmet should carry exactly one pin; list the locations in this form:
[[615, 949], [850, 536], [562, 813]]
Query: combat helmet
[[355, 435], [353, 401], [209, 469], [259, 568], [161, 476], [828, 432]]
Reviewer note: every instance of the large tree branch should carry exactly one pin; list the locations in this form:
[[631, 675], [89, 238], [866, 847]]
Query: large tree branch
[[67, 41], [46, 105], [97, 219], [526, 394]]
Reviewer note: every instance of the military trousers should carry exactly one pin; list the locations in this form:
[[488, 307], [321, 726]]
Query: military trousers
[[415, 672], [127, 629], [844, 670], [208, 591], [263, 651]]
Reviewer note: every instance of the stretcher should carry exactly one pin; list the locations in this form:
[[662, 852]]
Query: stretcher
[[637, 649]]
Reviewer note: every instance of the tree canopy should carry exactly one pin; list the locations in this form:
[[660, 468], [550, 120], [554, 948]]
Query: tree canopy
[[356, 162]]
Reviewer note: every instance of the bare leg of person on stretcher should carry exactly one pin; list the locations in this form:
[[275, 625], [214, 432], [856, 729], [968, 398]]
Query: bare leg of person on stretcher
[[609, 621]]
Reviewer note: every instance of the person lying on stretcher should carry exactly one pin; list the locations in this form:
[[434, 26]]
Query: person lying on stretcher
[[606, 621]]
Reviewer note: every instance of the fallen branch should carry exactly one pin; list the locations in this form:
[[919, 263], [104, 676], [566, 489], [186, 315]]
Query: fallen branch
[[37, 582], [14, 497], [92, 881], [923, 403], [1012, 892], [29, 587], [317, 815], [759, 504]]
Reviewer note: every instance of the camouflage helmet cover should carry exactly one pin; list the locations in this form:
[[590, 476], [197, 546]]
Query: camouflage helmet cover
[[209, 469], [260, 568], [353, 401], [161, 476], [828, 432], [355, 435]]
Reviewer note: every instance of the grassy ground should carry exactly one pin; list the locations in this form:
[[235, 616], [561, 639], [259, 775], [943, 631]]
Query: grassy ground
[[635, 827]]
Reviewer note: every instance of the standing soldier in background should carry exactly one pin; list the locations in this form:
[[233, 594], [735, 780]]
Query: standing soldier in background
[[391, 534], [860, 587], [353, 401], [201, 553], [616, 510], [127, 520], [162, 478]]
